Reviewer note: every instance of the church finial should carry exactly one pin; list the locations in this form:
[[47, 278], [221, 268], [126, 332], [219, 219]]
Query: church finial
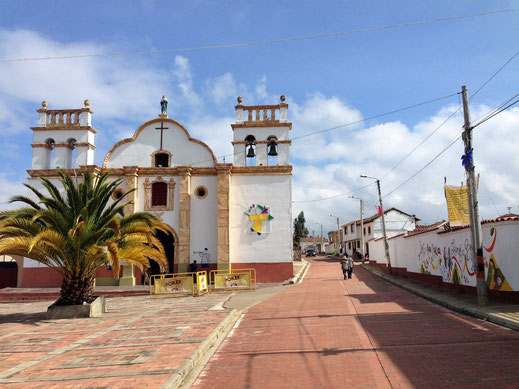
[[44, 104], [240, 100], [283, 99], [87, 103], [163, 107]]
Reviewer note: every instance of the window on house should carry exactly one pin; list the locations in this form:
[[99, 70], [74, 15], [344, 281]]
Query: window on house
[[161, 160], [159, 194], [358, 244], [364, 230], [345, 230], [352, 227], [349, 245], [369, 230]]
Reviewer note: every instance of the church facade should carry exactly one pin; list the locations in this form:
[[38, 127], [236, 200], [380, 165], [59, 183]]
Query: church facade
[[221, 215]]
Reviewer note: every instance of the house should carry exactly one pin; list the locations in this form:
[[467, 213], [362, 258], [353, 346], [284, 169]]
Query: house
[[223, 215], [397, 222], [314, 243]]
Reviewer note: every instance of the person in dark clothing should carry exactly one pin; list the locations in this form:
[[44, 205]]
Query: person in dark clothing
[[193, 268], [344, 266]]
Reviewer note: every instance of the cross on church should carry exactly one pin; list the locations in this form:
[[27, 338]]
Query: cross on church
[[161, 128]]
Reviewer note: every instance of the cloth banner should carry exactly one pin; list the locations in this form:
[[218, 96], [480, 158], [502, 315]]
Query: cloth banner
[[457, 205], [177, 284], [241, 280]]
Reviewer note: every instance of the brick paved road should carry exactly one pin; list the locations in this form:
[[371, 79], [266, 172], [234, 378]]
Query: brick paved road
[[138, 343], [360, 333]]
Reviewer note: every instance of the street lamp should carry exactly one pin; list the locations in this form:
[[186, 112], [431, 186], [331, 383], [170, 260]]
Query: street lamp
[[386, 245], [338, 233], [361, 225]]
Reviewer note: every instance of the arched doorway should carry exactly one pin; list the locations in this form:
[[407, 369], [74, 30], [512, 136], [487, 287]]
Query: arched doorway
[[8, 272], [168, 241]]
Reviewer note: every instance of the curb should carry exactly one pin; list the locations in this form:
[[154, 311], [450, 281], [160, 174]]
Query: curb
[[175, 380], [453, 305], [300, 274]]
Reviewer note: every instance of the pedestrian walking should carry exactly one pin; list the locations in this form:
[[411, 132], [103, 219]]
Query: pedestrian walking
[[350, 266], [344, 266]]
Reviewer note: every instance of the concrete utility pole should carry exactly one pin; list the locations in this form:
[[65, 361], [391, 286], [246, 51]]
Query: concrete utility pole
[[321, 246], [361, 225], [386, 245], [475, 225], [338, 233]]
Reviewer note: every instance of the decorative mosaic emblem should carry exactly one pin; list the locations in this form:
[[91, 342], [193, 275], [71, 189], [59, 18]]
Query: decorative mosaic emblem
[[259, 218]]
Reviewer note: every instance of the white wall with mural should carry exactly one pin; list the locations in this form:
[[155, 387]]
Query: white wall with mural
[[450, 255], [274, 242]]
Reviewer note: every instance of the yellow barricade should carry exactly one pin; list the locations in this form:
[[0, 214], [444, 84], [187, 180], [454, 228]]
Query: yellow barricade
[[178, 284], [201, 283], [234, 280]]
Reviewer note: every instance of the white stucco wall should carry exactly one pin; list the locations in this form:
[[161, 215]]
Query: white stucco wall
[[438, 253], [183, 152], [271, 191], [204, 213]]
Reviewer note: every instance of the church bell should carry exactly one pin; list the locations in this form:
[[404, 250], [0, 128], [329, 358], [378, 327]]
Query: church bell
[[272, 150], [250, 152]]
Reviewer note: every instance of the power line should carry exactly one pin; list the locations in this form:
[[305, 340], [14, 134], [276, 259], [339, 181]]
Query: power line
[[421, 143], [459, 108], [495, 74], [332, 197], [344, 125], [427, 164], [263, 42], [490, 116], [488, 193]]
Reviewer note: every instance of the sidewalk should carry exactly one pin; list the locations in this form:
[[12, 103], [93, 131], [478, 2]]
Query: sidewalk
[[360, 333], [139, 343], [506, 315]]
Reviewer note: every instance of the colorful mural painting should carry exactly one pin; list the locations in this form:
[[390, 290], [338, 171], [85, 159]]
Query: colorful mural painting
[[496, 280], [259, 218], [455, 263]]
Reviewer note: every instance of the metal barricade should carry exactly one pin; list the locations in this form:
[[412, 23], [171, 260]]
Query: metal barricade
[[201, 283], [233, 280], [172, 285]]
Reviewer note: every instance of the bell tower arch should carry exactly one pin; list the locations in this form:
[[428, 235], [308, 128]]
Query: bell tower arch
[[261, 134]]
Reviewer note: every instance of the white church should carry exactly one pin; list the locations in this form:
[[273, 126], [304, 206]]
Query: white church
[[221, 215]]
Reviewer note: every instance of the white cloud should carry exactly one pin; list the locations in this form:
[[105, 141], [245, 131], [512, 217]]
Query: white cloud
[[10, 188], [182, 71], [125, 93]]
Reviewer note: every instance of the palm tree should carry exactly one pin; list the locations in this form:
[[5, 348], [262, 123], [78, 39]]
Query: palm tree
[[78, 232]]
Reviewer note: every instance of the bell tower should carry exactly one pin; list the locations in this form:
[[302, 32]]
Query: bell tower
[[63, 138], [261, 135]]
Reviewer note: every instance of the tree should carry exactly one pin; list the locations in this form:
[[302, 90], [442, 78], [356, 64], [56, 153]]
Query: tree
[[300, 231], [79, 232]]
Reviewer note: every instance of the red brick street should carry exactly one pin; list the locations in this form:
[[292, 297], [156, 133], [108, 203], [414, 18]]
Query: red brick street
[[361, 333]]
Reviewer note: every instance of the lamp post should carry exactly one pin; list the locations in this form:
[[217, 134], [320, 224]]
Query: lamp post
[[338, 233], [361, 224], [386, 245], [321, 246]]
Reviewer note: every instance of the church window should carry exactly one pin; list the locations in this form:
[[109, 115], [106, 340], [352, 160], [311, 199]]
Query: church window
[[201, 192], [159, 194], [161, 160], [117, 194]]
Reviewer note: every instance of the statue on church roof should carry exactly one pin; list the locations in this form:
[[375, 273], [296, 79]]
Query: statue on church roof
[[164, 106]]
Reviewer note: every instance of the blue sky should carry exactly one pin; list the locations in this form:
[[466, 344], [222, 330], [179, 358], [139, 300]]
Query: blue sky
[[328, 82]]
